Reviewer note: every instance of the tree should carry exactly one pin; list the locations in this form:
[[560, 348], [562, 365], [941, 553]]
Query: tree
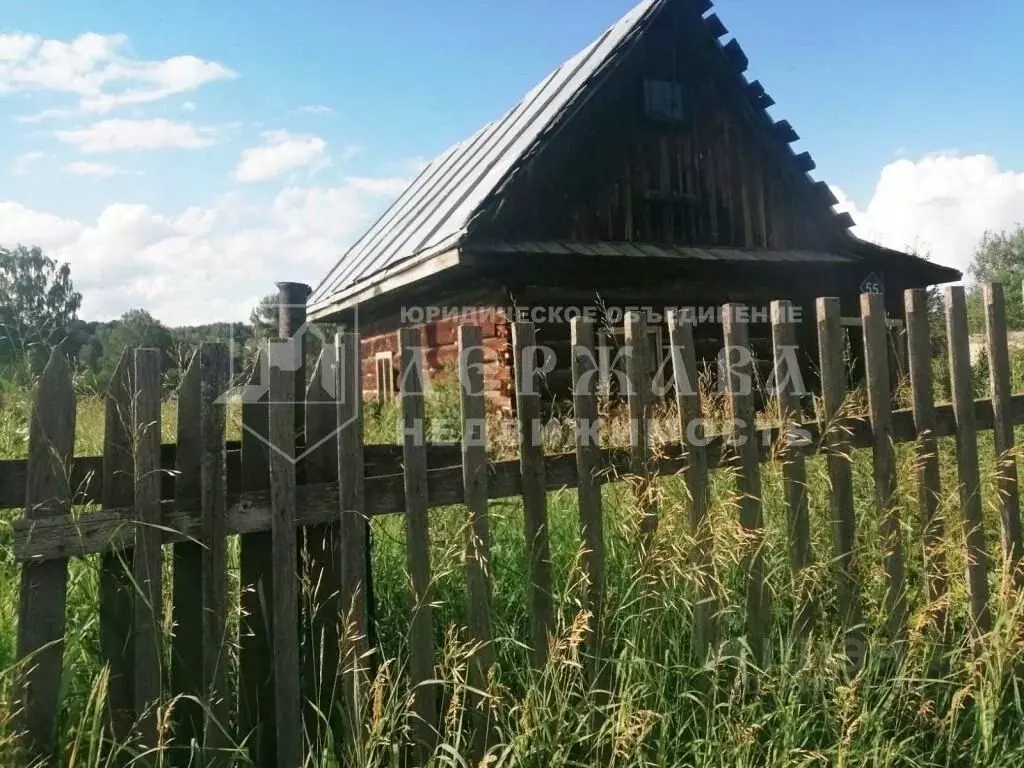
[[263, 318], [999, 258], [38, 303], [136, 328]]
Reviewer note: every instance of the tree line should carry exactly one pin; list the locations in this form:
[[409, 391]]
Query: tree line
[[39, 312]]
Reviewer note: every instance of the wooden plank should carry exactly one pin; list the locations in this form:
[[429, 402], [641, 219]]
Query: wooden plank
[[322, 560], [1002, 390], [353, 530], [876, 359], [187, 606], [928, 478], [256, 706], [967, 456], [213, 387], [692, 437], [589, 467], [639, 397], [421, 631], [739, 380], [284, 555], [148, 562], [835, 411], [41, 607], [116, 566], [535, 503], [787, 380], [87, 472], [478, 533], [249, 513]]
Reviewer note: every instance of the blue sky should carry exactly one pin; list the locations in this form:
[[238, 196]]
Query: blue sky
[[141, 182]]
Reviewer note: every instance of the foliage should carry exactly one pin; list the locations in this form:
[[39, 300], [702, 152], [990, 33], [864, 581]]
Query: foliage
[[999, 258], [38, 304]]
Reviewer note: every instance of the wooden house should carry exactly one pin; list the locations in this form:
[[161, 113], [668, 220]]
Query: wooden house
[[643, 172]]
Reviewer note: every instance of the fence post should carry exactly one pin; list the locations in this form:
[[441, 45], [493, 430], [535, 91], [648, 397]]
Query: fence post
[[187, 609], [145, 389], [534, 489], [478, 535], [588, 466], [257, 716], [421, 640], [794, 469], [876, 360], [967, 456], [739, 378], [353, 530], [928, 478], [321, 645], [639, 396], [691, 428], [284, 555], [41, 608], [834, 413], [1002, 394], [213, 386], [117, 566]]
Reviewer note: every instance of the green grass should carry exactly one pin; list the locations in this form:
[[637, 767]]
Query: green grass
[[907, 706]]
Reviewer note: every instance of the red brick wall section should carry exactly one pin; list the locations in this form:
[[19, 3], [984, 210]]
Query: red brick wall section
[[441, 341]]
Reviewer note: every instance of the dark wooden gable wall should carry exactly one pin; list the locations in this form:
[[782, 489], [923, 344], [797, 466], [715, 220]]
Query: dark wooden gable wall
[[717, 176]]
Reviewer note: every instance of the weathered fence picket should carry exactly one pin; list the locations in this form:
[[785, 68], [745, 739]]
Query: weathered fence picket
[[693, 439], [417, 535], [838, 452], [969, 477], [284, 556], [353, 532], [638, 385], [117, 591], [306, 640], [478, 533], [786, 372], [148, 561], [43, 596], [186, 611], [928, 477], [1002, 391], [322, 567], [534, 489], [257, 713], [588, 467], [883, 452], [739, 384]]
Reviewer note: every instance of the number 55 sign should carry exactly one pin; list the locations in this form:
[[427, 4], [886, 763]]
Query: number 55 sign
[[873, 283]]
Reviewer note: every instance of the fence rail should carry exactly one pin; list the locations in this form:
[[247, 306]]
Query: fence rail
[[252, 489]]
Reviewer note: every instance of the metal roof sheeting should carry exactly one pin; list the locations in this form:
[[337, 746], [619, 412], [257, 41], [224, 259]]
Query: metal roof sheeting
[[437, 207], [659, 251]]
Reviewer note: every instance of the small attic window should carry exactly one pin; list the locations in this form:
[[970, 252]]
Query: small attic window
[[663, 100]]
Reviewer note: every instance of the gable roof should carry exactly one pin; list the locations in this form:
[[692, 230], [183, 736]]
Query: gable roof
[[434, 214]]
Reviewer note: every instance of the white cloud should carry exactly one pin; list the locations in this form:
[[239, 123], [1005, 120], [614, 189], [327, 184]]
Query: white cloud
[[316, 109], [99, 170], [117, 134], [23, 164], [281, 152], [27, 227], [93, 68], [189, 106], [940, 205], [202, 264]]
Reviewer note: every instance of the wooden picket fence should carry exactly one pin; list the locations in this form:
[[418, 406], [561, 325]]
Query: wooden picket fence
[[148, 513]]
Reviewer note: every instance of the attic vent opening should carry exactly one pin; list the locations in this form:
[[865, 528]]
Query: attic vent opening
[[665, 101]]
